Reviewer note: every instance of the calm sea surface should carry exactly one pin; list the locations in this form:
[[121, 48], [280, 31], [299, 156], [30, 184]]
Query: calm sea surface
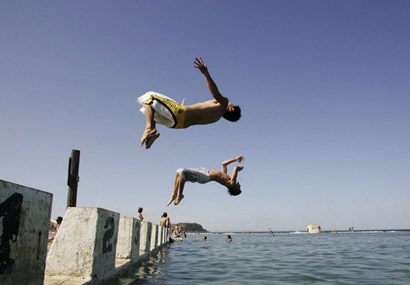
[[288, 258]]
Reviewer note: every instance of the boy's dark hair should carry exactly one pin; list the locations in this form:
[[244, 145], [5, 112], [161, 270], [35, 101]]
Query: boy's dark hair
[[234, 115], [234, 191]]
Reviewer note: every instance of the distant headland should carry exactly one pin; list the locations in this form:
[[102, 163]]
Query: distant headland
[[191, 227]]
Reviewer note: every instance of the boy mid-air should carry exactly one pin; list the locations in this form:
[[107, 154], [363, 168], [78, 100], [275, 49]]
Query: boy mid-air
[[204, 175], [161, 109]]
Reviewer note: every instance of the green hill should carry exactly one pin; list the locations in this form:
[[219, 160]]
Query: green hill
[[191, 227]]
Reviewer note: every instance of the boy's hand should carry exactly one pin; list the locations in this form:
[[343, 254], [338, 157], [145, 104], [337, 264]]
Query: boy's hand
[[240, 159], [201, 65]]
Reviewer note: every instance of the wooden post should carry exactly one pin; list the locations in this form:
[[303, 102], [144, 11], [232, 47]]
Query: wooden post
[[73, 178]]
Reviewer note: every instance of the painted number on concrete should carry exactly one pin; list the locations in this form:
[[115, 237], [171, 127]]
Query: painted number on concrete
[[10, 211], [109, 225]]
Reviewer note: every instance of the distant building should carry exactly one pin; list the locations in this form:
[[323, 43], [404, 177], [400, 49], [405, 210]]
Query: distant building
[[314, 229]]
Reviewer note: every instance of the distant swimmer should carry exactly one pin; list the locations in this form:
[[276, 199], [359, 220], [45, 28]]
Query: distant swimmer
[[163, 110], [203, 175]]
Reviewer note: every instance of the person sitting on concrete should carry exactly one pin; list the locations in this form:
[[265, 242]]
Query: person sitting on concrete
[[59, 220], [165, 221], [140, 216]]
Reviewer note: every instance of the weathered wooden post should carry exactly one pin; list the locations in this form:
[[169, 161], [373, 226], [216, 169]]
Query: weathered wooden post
[[73, 178]]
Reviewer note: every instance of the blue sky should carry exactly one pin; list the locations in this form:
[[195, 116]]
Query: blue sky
[[323, 86]]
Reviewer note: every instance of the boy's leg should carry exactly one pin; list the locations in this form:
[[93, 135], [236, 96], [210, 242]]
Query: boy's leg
[[180, 196], [150, 134], [176, 187]]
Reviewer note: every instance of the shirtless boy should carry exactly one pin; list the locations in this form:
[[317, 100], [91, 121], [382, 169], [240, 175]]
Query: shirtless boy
[[203, 175], [164, 110]]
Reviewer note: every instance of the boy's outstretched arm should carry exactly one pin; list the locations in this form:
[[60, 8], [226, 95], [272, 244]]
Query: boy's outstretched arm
[[229, 161], [235, 171], [200, 64]]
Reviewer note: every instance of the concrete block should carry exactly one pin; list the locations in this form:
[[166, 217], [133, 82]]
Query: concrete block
[[24, 222], [154, 237], [164, 232], [85, 245], [163, 235], [160, 235], [128, 244], [145, 238], [166, 235]]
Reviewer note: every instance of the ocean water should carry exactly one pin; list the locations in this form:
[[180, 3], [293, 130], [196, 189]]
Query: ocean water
[[283, 258]]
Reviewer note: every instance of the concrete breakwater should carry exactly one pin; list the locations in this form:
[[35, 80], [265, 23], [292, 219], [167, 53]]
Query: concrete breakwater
[[92, 244]]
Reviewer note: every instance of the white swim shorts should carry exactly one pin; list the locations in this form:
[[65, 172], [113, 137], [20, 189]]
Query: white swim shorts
[[200, 175]]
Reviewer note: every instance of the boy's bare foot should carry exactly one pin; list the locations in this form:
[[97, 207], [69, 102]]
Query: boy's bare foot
[[179, 199], [172, 200], [151, 138], [148, 137], [145, 135]]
